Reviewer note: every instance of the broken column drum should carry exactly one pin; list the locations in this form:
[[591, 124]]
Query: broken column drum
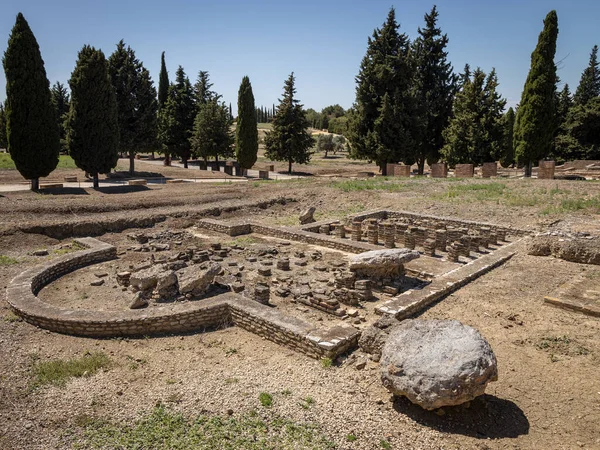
[[389, 234], [356, 230]]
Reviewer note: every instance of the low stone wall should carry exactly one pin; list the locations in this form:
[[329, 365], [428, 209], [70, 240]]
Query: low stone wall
[[221, 310], [314, 226], [411, 302], [308, 237], [400, 171], [221, 226]]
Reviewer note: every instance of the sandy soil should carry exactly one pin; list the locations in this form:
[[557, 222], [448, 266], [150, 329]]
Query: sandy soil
[[547, 395]]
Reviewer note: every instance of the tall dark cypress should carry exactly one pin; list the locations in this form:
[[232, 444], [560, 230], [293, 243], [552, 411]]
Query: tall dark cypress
[[93, 125], [535, 121], [3, 141], [507, 158], [163, 82], [32, 131], [61, 100], [246, 137]]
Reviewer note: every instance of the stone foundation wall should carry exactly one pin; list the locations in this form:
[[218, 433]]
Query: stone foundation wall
[[229, 228], [308, 237], [400, 171], [218, 311]]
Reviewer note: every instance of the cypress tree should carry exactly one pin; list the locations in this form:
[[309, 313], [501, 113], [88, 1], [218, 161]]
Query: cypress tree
[[31, 129], [202, 91], [289, 140], [163, 94], [93, 123], [535, 120], [212, 136], [507, 159], [136, 102], [246, 137], [387, 68], [435, 86], [589, 85], [3, 141], [163, 82], [176, 118]]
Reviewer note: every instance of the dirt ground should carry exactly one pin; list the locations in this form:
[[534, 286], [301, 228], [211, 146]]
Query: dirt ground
[[547, 395]]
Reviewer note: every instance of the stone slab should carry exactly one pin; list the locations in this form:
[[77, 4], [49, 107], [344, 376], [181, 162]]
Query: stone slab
[[581, 294]]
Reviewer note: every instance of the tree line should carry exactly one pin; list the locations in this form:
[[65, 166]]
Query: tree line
[[411, 107], [113, 107]]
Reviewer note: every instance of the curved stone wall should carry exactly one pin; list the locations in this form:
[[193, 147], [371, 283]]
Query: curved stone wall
[[221, 310]]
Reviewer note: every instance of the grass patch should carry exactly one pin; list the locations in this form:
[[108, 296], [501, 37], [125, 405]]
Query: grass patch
[[371, 184], [562, 345], [69, 248], [480, 191], [58, 372], [64, 162], [11, 317], [163, 429], [265, 399], [307, 402], [242, 241], [326, 363], [7, 260], [351, 438], [385, 444]]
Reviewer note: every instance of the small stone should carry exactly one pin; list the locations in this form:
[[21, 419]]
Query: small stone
[[138, 301], [99, 282], [101, 274], [353, 312], [361, 364], [40, 253]]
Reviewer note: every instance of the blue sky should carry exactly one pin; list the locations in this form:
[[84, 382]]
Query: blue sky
[[322, 42]]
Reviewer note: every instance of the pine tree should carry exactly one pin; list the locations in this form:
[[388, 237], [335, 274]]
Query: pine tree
[[435, 86], [589, 85], [475, 132], [535, 120], [560, 145], [289, 140], [3, 140], [202, 92], [176, 118], [31, 129], [246, 137], [212, 136], [230, 112], [386, 69], [136, 102], [93, 123], [61, 100], [163, 82], [507, 158]]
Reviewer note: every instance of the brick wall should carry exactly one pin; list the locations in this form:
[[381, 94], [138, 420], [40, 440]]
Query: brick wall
[[546, 170], [464, 171], [439, 170], [489, 170]]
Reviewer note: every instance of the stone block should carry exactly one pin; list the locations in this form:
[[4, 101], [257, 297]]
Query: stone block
[[400, 170], [263, 174], [51, 186], [489, 169], [140, 182], [546, 170], [71, 179], [464, 171], [439, 170]]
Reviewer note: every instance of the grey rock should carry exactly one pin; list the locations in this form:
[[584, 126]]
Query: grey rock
[[146, 279], [196, 279], [382, 263], [40, 253], [99, 282], [138, 301], [436, 363], [307, 216], [166, 284], [373, 338]]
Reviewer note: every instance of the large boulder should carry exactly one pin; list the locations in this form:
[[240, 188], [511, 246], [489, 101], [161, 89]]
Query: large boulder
[[195, 280], [382, 263], [437, 363]]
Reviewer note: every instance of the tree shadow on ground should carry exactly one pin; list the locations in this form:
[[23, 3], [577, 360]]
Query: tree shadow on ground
[[64, 191], [487, 417], [121, 189], [295, 174]]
